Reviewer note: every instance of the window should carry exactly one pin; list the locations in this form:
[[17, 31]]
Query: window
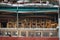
[[0, 33], [31, 34], [7, 33], [53, 34], [38, 34], [34, 34], [14, 33], [23, 34], [46, 34]]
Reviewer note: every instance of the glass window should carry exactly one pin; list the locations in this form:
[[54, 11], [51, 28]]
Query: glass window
[[38, 34], [7, 33], [14, 33], [53, 34], [34, 34], [23, 34], [31, 34], [1, 33], [46, 34], [54, 2]]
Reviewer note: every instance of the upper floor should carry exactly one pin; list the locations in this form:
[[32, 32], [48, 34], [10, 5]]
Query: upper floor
[[39, 3], [28, 20]]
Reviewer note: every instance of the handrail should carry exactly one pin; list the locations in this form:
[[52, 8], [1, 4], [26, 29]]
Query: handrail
[[28, 28]]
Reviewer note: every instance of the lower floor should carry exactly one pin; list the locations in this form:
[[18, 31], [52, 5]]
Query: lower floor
[[29, 32]]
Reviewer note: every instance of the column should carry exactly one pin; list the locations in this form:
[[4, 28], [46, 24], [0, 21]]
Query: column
[[59, 28]]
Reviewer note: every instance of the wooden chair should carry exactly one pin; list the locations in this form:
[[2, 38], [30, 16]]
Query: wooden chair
[[42, 24], [48, 24], [54, 25], [10, 25]]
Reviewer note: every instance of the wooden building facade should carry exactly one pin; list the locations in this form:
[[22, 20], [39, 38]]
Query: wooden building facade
[[28, 22]]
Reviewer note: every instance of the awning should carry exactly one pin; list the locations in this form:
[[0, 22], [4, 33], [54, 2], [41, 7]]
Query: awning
[[29, 9]]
